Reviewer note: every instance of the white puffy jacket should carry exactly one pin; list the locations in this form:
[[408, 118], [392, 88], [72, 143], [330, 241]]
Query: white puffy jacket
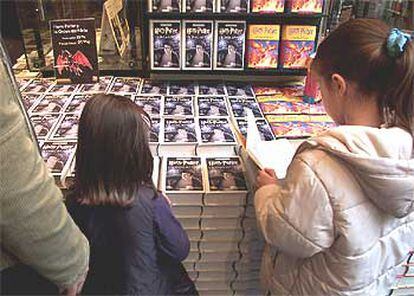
[[343, 222]]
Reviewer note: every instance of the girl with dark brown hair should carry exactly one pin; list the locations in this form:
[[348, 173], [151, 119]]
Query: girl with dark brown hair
[[343, 222], [137, 245]]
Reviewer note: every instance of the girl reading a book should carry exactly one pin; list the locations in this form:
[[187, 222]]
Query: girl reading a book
[[137, 244], [342, 223]]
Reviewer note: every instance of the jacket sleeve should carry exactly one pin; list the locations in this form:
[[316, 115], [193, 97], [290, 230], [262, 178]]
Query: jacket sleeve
[[173, 239], [36, 228], [296, 217]]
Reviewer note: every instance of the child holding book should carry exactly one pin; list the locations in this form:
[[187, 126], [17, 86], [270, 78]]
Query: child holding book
[[137, 244], [342, 223]]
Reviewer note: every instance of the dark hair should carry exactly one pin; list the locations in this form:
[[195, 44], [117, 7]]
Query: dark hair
[[113, 158], [357, 51]]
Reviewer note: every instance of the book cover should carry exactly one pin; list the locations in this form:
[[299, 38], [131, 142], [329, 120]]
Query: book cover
[[63, 88], [268, 6], [306, 6], [212, 106], [214, 89], [267, 90], [239, 107], [263, 46], [125, 85], [150, 104], [178, 106], [234, 6], [239, 90], [184, 174], [39, 85], [200, 5], [165, 5], [154, 136], [57, 155], [197, 45], [216, 130], [99, 87], [22, 82], [43, 124], [29, 100], [293, 91], [229, 45], [165, 45], [182, 88], [179, 130], [75, 55], [270, 105], [262, 125], [51, 103], [67, 127], [77, 103], [298, 43], [225, 174], [152, 87]]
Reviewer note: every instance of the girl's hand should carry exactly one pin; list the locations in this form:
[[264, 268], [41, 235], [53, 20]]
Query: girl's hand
[[266, 177]]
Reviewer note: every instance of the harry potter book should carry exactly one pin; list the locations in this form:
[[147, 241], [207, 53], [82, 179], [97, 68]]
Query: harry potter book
[[215, 89], [51, 103], [263, 127], [178, 106], [153, 87], [164, 5], [197, 45], [268, 6], [234, 6], [217, 138], [239, 107], [165, 45], [77, 103], [182, 88], [212, 106], [263, 46], [124, 85], [239, 90], [150, 104], [229, 45], [179, 137], [199, 6], [306, 6], [67, 127], [58, 156], [43, 124], [298, 43], [99, 87]]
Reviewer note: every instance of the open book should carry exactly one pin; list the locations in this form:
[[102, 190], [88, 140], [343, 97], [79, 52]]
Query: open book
[[276, 154]]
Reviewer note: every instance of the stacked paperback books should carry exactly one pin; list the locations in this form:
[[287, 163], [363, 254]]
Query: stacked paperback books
[[220, 45]]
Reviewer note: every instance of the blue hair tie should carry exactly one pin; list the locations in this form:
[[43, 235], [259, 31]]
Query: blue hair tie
[[396, 42]]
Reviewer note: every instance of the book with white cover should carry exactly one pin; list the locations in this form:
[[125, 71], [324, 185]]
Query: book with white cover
[[183, 180], [226, 181], [151, 104], [178, 106], [214, 106], [179, 137]]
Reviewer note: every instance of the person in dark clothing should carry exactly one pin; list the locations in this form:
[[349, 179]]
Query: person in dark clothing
[[137, 244]]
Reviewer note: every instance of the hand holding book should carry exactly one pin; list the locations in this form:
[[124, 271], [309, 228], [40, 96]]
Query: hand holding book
[[266, 177]]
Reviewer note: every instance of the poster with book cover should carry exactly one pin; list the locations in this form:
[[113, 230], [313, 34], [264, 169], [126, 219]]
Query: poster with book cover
[[57, 155], [214, 89], [154, 136], [197, 45], [216, 130], [67, 127], [178, 106], [225, 174], [182, 88], [229, 45], [268, 6], [153, 87], [264, 129], [125, 85], [306, 6], [75, 57], [212, 106], [179, 130], [239, 107], [184, 174], [234, 6], [51, 103], [39, 85], [165, 46], [298, 43], [150, 104], [100, 87], [43, 124], [239, 90], [77, 103], [199, 6], [164, 5], [29, 100], [263, 46]]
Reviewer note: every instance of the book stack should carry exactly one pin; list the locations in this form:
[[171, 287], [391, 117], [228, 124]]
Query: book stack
[[405, 281], [209, 196]]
